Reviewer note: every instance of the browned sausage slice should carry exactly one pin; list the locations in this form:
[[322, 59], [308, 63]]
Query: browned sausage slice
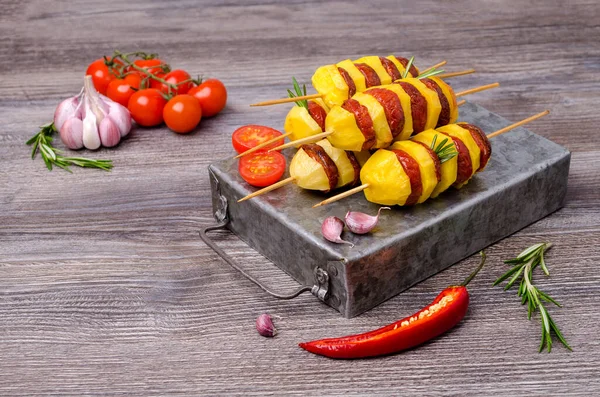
[[363, 121], [444, 118], [355, 165], [436, 160], [413, 70], [319, 154], [465, 167], [482, 142], [317, 113], [411, 167], [349, 82], [391, 106], [418, 106], [391, 68], [371, 77]]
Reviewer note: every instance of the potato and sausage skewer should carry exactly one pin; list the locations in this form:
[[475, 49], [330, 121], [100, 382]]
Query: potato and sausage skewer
[[415, 169], [377, 117], [410, 172], [336, 83]]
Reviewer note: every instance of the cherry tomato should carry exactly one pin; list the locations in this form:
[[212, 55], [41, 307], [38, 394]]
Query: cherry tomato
[[262, 168], [248, 136], [146, 107], [155, 83], [176, 77], [182, 113], [212, 96], [120, 90], [148, 65], [101, 75]]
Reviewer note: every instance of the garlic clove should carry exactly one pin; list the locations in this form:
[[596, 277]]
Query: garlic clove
[[361, 223], [109, 132], [65, 110], [71, 133], [264, 326], [91, 138], [120, 115], [332, 228]]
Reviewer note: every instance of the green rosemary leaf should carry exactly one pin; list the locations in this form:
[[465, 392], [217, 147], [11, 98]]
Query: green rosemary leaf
[[408, 65], [529, 250], [298, 92], [524, 264], [558, 333], [431, 73]]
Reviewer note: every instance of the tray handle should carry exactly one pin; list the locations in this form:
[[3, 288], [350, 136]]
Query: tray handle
[[320, 289]]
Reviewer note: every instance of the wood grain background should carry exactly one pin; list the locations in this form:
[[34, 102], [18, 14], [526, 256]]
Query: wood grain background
[[105, 287]]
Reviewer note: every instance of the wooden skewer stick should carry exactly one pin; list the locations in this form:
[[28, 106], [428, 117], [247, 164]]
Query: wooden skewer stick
[[268, 188], [342, 195], [308, 139], [262, 145], [455, 74], [477, 89], [461, 102], [518, 124], [286, 100], [437, 65], [314, 96], [493, 134]]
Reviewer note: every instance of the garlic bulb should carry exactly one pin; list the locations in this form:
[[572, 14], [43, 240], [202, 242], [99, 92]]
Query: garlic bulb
[[91, 120]]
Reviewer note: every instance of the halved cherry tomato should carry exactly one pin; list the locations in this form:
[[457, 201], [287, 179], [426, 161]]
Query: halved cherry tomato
[[212, 96], [101, 74], [120, 90], [176, 77], [182, 113], [248, 136], [262, 169], [146, 107]]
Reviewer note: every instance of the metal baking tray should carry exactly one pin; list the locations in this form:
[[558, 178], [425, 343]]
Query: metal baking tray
[[525, 180]]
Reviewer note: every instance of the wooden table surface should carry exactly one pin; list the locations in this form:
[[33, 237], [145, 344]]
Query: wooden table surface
[[105, 287]]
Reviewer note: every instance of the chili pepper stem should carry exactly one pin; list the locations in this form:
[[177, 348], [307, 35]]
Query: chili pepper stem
[[472, 275]]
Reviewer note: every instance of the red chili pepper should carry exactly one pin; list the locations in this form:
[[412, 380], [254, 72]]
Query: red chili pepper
[[448, 308]]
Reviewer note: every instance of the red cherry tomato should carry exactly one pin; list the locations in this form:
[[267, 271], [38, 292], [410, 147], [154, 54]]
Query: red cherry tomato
[[120, 90], [182, 113], [212, 96], [248, 136], [176, 77], [155, 83], [146, 107], [151, 65], [101, 75], [262, 168]]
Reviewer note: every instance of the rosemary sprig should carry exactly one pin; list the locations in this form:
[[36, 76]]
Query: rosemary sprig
[[408, 65], [531, 295], [42, 143], [430, 73], [299, 92], [444, 151]]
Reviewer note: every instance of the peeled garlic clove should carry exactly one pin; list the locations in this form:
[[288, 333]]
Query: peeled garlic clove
[[109, 132], [332, 228], [91, 138], [120, 115], [65, 110], [71, 133], [264, 326], [361, 223]]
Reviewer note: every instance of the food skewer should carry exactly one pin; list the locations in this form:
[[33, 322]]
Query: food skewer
[[431, 71], [374, 122], [336, 83], [476, 165], [467, 153], [262, 145]]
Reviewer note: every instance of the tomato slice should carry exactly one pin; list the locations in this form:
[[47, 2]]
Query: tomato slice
[[262, 168], [248, 136]]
